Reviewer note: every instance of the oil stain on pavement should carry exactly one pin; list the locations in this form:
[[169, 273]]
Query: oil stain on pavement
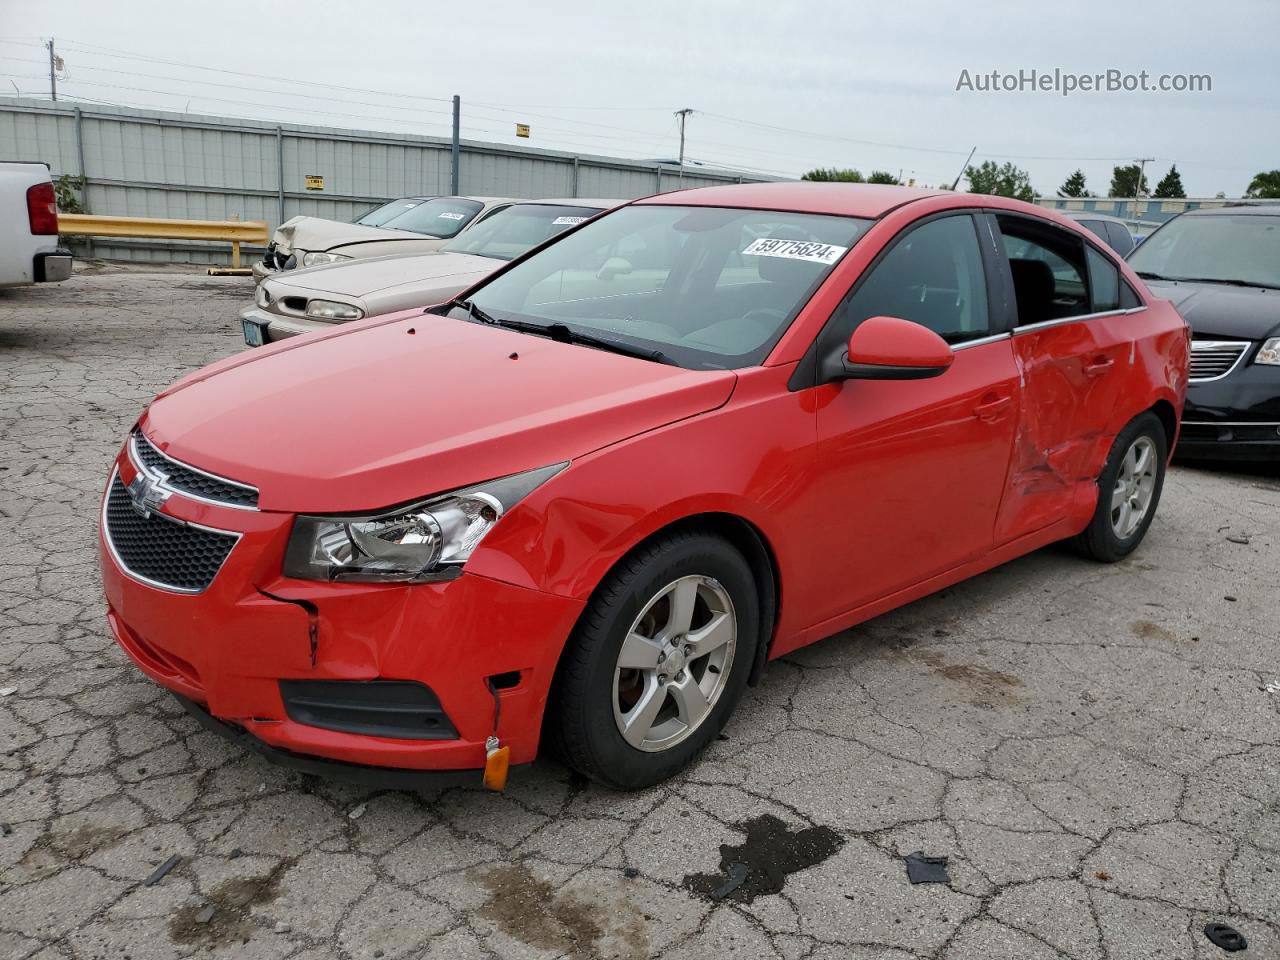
[[539, 915], [761, 863], [223, 918]]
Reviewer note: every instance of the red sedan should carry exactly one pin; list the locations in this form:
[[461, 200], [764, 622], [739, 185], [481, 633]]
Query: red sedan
[[588, 500]]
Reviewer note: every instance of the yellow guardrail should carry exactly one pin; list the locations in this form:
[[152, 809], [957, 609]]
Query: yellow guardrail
[[234, 232]]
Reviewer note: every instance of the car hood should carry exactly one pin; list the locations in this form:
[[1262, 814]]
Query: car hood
[[1222, 310], [312, 234], [385, 411], [360, 278]]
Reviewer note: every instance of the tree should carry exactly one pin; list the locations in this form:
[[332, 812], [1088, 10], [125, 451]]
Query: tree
[[831, 174], [1002, 181], [1170, 186], [1265, 186], [1125, 181], [882, 176], [1074, 186]]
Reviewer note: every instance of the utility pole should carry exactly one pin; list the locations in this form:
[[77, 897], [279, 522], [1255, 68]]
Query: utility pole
[[682, 116], [1142, 171], [53, 74], [457, 127]]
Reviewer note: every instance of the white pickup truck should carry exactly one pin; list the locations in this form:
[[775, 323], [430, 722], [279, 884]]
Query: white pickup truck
[[29, 251]]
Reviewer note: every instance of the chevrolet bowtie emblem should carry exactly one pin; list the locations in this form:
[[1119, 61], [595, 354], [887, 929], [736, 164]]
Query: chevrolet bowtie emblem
[[147, 493]]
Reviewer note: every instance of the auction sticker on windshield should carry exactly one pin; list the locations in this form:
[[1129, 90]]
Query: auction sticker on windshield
[[795, 250], [567, 221]]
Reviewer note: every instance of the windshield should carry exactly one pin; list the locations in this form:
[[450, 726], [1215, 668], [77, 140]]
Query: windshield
[[441, 217], [1242, 248], [709, 288], [380, 215], [511, 232]]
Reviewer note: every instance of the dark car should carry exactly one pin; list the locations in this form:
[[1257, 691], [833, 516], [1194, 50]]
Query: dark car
[[1113, 231], [1221, 269]]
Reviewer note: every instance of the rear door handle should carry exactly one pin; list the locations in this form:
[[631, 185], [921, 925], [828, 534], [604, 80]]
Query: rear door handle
[[1098, 366], [991, 409]]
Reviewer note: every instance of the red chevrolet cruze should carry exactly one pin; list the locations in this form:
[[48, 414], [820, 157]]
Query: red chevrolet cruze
[[587, 501]]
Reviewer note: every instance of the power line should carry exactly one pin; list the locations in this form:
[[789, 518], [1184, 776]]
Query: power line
[[577, 141], [243, 103], [113, 53], [646, 136], [237, 86]]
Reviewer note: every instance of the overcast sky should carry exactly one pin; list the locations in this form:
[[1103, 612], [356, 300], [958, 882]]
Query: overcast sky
[[871, 86]]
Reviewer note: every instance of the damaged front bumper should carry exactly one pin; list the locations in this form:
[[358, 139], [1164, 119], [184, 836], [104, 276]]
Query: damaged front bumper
[[271, 658]]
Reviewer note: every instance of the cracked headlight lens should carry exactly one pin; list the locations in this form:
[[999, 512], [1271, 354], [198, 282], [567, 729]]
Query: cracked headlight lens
[[332, 310], [1270, 353], [318, 257], [427, 541]]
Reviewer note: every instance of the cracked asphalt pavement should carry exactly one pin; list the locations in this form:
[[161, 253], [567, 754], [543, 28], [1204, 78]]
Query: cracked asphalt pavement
[[1094, 748]]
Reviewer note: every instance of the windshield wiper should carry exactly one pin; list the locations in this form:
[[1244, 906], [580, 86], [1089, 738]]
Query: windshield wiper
[[1150, 275], [1230, 282], [476, 313], [562, 333]]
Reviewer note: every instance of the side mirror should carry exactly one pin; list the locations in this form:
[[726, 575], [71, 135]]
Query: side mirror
[[614, 267], [889, 348]]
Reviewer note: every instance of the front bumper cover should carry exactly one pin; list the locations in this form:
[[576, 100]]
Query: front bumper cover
[[229, 646], [363, 774], [1236, 417], [275, 327]]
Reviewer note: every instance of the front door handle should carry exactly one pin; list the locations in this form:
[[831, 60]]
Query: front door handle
[[1098, 366], [991, 409]]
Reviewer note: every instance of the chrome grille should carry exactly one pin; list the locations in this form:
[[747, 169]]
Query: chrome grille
[[1211, 359], [160, 550], [189, 481]]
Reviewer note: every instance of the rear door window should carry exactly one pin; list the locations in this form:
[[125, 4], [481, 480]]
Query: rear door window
[[1104, 282], [1097, 227], [1119, 237], [1047, 263]]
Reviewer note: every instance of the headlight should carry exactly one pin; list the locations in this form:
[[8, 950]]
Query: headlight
[[1270, 353], [319, 257], [420, 543], [332, 310]]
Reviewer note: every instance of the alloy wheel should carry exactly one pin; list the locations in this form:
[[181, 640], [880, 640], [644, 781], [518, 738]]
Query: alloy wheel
[[1134, 488], [674, 663]]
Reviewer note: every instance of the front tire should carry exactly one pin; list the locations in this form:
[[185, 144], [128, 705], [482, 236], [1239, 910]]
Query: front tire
[[658, 661], [1129, 489]]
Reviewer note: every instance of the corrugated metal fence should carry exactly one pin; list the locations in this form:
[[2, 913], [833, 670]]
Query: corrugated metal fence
[[151, 163]]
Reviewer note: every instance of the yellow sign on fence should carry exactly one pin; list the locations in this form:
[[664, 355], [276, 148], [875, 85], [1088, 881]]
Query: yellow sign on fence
[[314, 181]]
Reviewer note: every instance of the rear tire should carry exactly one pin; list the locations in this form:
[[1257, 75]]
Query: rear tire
[[658, 661], [1129, 490]]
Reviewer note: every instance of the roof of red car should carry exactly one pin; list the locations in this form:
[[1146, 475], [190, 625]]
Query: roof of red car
[[845, 199]]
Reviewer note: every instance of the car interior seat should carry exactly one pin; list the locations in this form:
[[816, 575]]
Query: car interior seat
[[1033, 290]]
